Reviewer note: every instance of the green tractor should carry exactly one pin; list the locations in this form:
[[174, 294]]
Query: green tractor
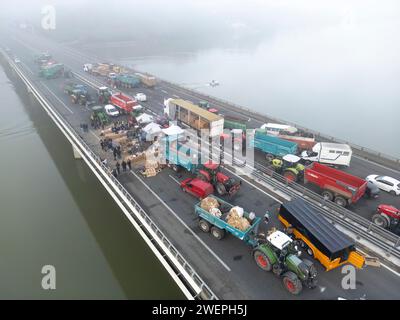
[[289, 166], [278, 253], [98, 116], [104, 94], [80, 96], [70, 86]]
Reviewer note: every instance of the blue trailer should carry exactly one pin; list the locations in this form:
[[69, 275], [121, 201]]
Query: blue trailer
[[248, 236], [271, 145], [181, 154]]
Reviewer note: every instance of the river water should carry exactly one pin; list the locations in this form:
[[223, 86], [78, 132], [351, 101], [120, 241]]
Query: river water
[[53, 211]]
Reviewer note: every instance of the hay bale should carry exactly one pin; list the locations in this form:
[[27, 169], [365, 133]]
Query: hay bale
[[209, 203]]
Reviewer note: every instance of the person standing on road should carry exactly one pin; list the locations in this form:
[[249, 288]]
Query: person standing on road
[[115, 153], [114, 173], [129, 164], [118, 166], [123, 166], [102, 144]]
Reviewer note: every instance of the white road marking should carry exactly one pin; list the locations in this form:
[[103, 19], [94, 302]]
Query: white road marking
[[91, 131], [183, 223], [173, 178], [164, 91], [174, 95], [62, 103]]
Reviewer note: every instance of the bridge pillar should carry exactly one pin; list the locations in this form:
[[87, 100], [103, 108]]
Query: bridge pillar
[[76, 153]]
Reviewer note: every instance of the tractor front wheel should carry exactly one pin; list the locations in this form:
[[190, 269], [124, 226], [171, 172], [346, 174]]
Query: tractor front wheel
[[292, 283], [221, 189], [262, 260], [327, 195], [380, 220]]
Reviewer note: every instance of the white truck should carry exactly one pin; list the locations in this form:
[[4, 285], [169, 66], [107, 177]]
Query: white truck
[[277, 128], [336, 154], [194, 117]]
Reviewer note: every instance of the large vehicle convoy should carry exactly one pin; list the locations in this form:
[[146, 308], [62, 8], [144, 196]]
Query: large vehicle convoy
[[272, 146], [274, 252], [194, 116], [319, 238], [148, 81], [335, 185], [182, 154], [52, 71]]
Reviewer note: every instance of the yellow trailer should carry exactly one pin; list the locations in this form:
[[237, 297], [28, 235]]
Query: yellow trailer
[[318, 236]]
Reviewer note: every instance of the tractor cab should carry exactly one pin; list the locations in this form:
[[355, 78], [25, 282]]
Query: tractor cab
[[289, 166], [224, 184], [205, 105], [104, 94]]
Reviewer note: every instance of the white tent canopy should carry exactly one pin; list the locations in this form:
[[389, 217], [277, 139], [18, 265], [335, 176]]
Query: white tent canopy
[[173, 130], [144, 118], [152, 128]]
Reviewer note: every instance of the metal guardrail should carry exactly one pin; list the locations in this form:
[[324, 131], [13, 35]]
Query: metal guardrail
[[363, 228], [206, 292], [264, 117]]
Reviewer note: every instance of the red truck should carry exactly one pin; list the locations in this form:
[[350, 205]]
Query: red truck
[[303, 143], [123, 101], [336, 185]]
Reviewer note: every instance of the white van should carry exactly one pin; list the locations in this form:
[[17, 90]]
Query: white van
[[276, 128], [330, 153]]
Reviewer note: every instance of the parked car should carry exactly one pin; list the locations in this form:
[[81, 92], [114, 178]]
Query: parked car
[[372, 190], [197, 187], [111, 110], [385, 183], [140, 97]]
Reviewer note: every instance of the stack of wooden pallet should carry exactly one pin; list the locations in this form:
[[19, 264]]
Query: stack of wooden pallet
[[151, 168]]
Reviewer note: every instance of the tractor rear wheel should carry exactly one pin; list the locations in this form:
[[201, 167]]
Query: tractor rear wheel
[[340, 201], [327, 195], [217, 233], [380, 220], [262, 260], [292, 283], [204, 225]]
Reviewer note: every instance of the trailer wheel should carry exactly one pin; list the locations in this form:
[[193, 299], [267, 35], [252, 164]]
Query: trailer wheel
[[204, 225], [217, 233], [262, 260], [340, 201], [175, 168], [327, 195], [309, 251], [392, 192], [292, 283], [380, 220]]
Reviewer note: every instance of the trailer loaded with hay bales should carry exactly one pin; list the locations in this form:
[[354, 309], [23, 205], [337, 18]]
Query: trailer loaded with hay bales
[[274, 251]]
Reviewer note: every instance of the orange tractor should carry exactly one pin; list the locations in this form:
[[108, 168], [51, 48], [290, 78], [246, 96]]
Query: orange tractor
[[211, 172]]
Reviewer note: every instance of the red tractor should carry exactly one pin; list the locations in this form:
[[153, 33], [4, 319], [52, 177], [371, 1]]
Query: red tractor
[[211, 173], [386, 216]]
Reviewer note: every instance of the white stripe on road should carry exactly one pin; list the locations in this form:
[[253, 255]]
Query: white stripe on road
[[62, 103], [164, 91], [174, 95], [91, 131], [181, 221], [173, 178]]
